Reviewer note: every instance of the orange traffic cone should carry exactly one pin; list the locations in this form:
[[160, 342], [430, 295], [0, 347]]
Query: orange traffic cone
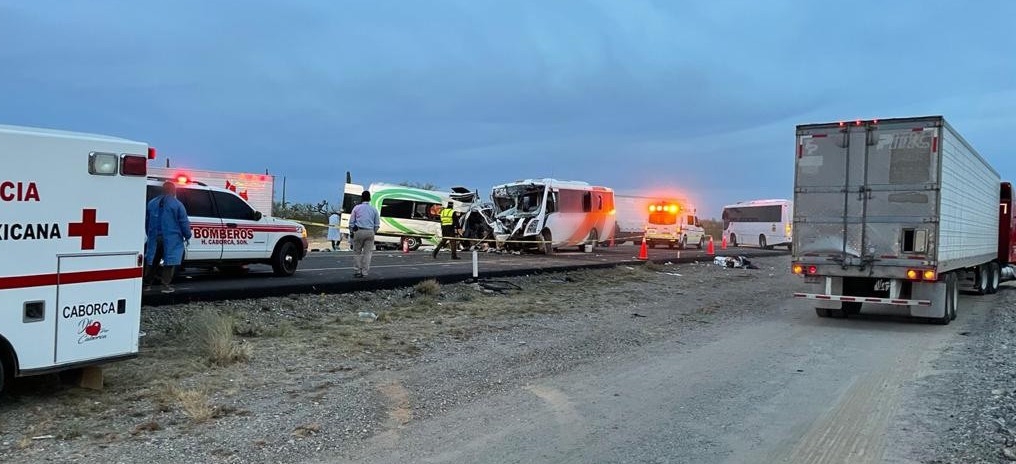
[[644, 251], [723, 243], [405, 245], [710, 250]]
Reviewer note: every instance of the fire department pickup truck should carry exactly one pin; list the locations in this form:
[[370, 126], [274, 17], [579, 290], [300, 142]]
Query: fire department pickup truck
[[71, 241], [229, 233]]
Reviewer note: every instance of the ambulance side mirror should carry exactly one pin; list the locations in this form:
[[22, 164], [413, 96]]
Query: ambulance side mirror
[[256, 215]]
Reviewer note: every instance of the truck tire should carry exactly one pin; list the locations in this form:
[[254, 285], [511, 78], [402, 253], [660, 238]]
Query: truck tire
[[951, 295], [981, 279], [851, 308], [762, 242], [822, 312], [285, 260], [994, 277]]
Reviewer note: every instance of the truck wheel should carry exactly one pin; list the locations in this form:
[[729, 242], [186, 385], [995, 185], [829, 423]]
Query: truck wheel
[[548, 245], [733, 240], [285, 260], [762, 242], [822, 312], [852, 308], [951, 295], [994, 277], [701, 242], [981, 281]]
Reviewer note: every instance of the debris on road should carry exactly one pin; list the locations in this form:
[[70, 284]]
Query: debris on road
[[734, 262]]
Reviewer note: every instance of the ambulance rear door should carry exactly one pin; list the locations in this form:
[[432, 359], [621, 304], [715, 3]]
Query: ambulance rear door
[[98, 306]]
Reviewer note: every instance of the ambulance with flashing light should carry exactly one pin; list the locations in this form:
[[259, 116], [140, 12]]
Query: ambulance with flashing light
[[673, 224], [229, 233], [71, 237]]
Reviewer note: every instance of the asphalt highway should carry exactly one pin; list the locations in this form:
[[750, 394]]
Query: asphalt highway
[[332, 272]]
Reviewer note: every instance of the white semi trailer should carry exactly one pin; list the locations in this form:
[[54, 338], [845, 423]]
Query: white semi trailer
[[895, 212]]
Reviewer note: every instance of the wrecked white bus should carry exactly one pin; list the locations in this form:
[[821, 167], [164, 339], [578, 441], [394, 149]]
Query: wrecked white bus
[[548, 214]]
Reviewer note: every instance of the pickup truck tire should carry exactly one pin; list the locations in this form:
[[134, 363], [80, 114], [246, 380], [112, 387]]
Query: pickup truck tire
[[994, 277], [285, 259]]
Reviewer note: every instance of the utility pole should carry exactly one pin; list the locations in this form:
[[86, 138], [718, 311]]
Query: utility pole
[[283, 192]]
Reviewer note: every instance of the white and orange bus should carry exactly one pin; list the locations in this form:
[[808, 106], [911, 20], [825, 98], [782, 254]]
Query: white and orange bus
[[552, 214]]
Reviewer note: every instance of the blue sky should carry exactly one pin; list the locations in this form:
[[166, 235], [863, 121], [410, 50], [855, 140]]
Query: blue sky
[[639, 95]]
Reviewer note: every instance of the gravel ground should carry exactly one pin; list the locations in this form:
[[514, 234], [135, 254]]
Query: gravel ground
[[972, 394], [304, 374], [303, 378]]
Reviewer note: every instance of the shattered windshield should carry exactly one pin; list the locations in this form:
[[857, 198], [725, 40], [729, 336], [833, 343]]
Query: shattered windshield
[[519, 199]]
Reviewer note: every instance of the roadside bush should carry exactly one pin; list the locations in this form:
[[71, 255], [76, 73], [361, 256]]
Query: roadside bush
[[429, 287], [214, 336]]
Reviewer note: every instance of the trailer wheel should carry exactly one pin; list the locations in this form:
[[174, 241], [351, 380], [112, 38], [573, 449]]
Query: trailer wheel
[[982, 278], [994, 277], [852, 308], [951, 295], [285, 260], [762, 242], [822, 312]]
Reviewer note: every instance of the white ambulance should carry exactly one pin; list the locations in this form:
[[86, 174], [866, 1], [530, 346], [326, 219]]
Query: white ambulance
[[71, 237], [229, 233]]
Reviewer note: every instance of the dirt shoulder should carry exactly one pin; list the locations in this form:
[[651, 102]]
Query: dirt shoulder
[[281, 379]]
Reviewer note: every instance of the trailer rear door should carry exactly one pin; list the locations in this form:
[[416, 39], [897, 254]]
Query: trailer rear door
[[859, 187]]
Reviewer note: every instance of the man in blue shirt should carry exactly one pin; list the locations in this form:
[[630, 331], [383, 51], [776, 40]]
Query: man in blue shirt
[[364, 221], [167, 228]]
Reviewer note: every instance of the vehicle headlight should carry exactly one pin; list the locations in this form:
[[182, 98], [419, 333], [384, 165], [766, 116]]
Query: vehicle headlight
[[533, 227]]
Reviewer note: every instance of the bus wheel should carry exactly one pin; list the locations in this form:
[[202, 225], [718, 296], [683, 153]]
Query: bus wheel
[[733, 240], [413, 242], [762, 242], [548, 245]]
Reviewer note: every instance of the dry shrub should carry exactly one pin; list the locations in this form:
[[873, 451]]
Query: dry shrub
[[214, 336], [429, 287], [653, 267]]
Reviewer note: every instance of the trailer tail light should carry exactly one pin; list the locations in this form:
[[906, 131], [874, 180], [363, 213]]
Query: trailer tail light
[[133, 165], [151, 153], [797, 269], [913, 274], [929, 275], [812, 270]]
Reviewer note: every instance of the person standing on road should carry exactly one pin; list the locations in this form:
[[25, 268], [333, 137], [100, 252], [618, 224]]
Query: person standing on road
[[334, 233], [167, 229], [448, 232], [364, 221]]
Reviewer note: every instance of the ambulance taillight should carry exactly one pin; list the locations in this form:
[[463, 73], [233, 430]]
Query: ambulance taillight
[[133, 165], [151, 153]]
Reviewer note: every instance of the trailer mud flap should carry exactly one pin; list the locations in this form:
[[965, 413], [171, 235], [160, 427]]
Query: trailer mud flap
[[98, 307]]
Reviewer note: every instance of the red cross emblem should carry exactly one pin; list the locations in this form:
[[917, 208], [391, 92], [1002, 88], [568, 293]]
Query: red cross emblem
[[88, 229]]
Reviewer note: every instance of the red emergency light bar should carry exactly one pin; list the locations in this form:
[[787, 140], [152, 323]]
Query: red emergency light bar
[[151, 153]]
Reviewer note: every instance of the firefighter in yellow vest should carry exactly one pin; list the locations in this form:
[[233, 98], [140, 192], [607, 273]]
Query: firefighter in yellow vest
[[448, 232]]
